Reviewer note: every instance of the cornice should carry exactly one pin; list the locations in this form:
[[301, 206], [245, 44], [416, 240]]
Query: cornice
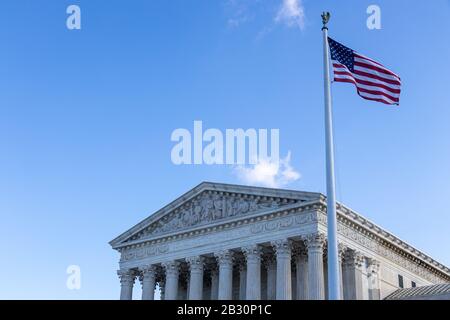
[[366, 227]]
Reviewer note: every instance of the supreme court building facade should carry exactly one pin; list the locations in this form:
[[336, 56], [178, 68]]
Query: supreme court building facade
[[221, 241]]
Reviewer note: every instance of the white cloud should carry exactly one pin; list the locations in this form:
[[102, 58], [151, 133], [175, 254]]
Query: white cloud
[[240, 11], [269, 173], [291, 13]]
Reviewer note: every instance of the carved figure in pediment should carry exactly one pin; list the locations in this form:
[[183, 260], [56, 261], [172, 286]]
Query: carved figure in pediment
[[185, 217], [194, 218], [242, 207], [217, 207], [231, 207], [253, 205], [207, 207], [197, 208]]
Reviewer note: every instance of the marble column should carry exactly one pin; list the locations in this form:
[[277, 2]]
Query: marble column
[[374, 279], [352, 272], [196, 277], [283, 253], [225, 261], [127, 278], [294, 281], [162, 289], [341, 251], [263, 283], [147, 278], [253, 256], [182, 290], [301, 264], [172, 273], [316, 286], [271, 268], [242, 281], [207, 289], [214, 283]]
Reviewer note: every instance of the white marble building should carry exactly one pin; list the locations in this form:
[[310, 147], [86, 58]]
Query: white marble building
[[222, 241]]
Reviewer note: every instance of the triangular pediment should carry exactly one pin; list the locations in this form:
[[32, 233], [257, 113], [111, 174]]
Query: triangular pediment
[[209, 203]]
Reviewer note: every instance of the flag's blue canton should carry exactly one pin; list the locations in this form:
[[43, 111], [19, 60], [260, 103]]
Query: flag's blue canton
[[342, 54]]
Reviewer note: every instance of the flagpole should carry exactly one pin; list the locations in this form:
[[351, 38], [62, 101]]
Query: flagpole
[[334, 292]]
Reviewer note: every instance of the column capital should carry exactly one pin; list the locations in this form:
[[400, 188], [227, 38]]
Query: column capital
[[127, 276], [353, 258], [252, 253], [374, 266], [195, 263], [342, 248], [147, 272], [282, 247], [315, 241], [224, 258], [172, 268]]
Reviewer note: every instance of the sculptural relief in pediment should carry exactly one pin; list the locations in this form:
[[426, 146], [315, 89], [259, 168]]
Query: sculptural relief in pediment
[[209, 207]]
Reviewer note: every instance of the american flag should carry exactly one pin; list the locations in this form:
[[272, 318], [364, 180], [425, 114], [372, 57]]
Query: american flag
[[372, 80]]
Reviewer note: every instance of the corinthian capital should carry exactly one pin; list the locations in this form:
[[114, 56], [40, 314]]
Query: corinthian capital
[[374, 266], [353, 258], [315, 241], [342, 248], [172, 268], [127, 276], [147, 272], [195, 263], [224, 258], [252, 253], [282, 247]]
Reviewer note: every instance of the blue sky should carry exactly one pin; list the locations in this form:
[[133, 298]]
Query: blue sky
[[86, 117]]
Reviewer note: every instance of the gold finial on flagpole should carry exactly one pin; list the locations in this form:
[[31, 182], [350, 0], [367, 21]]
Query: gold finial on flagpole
[[325, 18]]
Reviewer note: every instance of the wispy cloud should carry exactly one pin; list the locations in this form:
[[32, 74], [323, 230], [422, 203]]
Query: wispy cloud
[[241, 11], [269, 173], [291, 13]]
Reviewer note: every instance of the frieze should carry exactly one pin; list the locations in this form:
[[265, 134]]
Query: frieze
[[284, 223], [143, 252]]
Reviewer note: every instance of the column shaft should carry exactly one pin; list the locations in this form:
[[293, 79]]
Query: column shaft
[[172, 273], [214, 284], [302, 275], [283, 252], [271, 268], [316, 287], [127, 278], [374, 280], [148, 274], [253, 283], [196, 278], [341, 251], [225, 275], [242, 282], [353, 275]]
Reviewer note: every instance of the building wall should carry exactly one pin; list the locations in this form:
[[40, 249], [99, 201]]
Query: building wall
[[277, 226]]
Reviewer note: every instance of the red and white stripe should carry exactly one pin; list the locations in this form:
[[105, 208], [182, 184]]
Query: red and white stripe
[[372, 80]]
